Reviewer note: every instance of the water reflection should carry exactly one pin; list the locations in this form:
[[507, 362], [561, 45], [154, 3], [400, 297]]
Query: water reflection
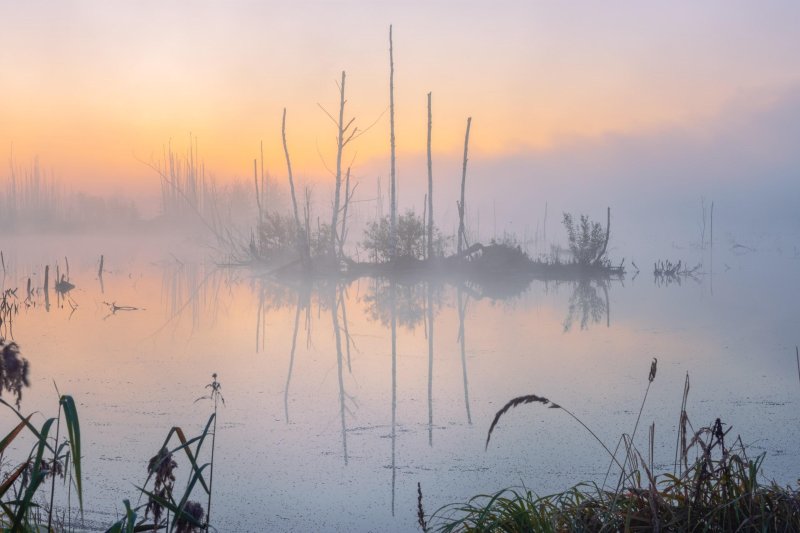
[[194, 288], [343, 396], [586, 306], [393, 321], [429, 333], [462, 339], [390, 303], [298, 309], [439, 375]]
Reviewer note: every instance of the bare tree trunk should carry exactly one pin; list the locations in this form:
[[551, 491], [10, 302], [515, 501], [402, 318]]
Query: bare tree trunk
[[300, 234], [393, 185], [605, 241], [343, 234], [462, 238], [340, 146], [289, 169], [307, 218], [258, 194], [430, 183], [424, 225], [264, 195]]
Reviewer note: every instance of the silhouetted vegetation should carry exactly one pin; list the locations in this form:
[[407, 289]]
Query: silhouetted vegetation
[[411, 239], [13, 370], [667, 273], [587, 240], [24, 502], [714, 487], [50, 457], [34, 202]]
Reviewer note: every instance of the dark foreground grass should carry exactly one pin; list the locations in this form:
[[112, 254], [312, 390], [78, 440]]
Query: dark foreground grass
[[27, 487], [714, 487], [732, 501]]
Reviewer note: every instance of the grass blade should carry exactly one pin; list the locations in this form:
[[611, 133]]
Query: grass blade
[[74, 432], [37, 476], [13, 434], [11, 479]]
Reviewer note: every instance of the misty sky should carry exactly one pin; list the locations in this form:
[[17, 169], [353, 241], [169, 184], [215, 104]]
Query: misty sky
[[605, 96]]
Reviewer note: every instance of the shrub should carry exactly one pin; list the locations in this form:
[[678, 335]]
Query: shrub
[[587, 240], [411, 235]]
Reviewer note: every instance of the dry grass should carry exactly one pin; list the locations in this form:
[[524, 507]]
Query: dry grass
[[715, 487]]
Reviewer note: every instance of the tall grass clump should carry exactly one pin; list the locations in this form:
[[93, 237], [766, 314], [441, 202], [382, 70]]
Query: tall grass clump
[[167, 508], [26, 504], [717, 488]]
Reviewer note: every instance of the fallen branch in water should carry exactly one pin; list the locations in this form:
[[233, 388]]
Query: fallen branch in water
[[114, 307]]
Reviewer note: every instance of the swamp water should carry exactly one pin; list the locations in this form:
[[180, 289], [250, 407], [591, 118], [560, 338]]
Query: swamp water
[[315, 438]]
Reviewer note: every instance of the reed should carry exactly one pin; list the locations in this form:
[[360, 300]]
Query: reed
[[19, 508], [718, 490], [162, 502]]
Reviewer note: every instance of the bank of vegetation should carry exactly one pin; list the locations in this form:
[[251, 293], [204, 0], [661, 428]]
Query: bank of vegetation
[[713, 486]]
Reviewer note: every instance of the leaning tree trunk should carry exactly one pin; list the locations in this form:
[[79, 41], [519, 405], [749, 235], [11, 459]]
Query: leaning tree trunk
[[602, 251], [462, 238]]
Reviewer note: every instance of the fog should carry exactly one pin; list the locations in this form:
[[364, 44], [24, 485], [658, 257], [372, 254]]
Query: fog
[[366, 353], [743, 159]]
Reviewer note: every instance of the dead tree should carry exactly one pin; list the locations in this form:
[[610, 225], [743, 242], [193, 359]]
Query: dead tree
[[341, 142], [289, 170], [300, 234], [602, 251], [462, 238], [393, 183], [258, 194], [430, 183]]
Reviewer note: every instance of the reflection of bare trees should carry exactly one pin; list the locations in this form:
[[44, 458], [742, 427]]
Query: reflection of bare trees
[[429, 331], [393, 322], [407, 302], [586, 306], [388, 301], [291, 358], [195, 288], [339, 369], [462, 312]]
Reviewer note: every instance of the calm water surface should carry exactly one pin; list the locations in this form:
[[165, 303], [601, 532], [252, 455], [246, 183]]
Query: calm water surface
[[318, 438]]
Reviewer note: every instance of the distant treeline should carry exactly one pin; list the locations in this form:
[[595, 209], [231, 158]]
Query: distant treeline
[[30, 201]]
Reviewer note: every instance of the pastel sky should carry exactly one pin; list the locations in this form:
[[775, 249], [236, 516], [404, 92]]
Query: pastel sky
[[89, 86]]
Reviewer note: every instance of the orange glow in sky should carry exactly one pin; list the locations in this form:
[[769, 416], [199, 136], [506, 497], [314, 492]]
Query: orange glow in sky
[[91, 86]]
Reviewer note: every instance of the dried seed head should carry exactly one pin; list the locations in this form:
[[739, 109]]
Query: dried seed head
[[653, 368], [193, 515]]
